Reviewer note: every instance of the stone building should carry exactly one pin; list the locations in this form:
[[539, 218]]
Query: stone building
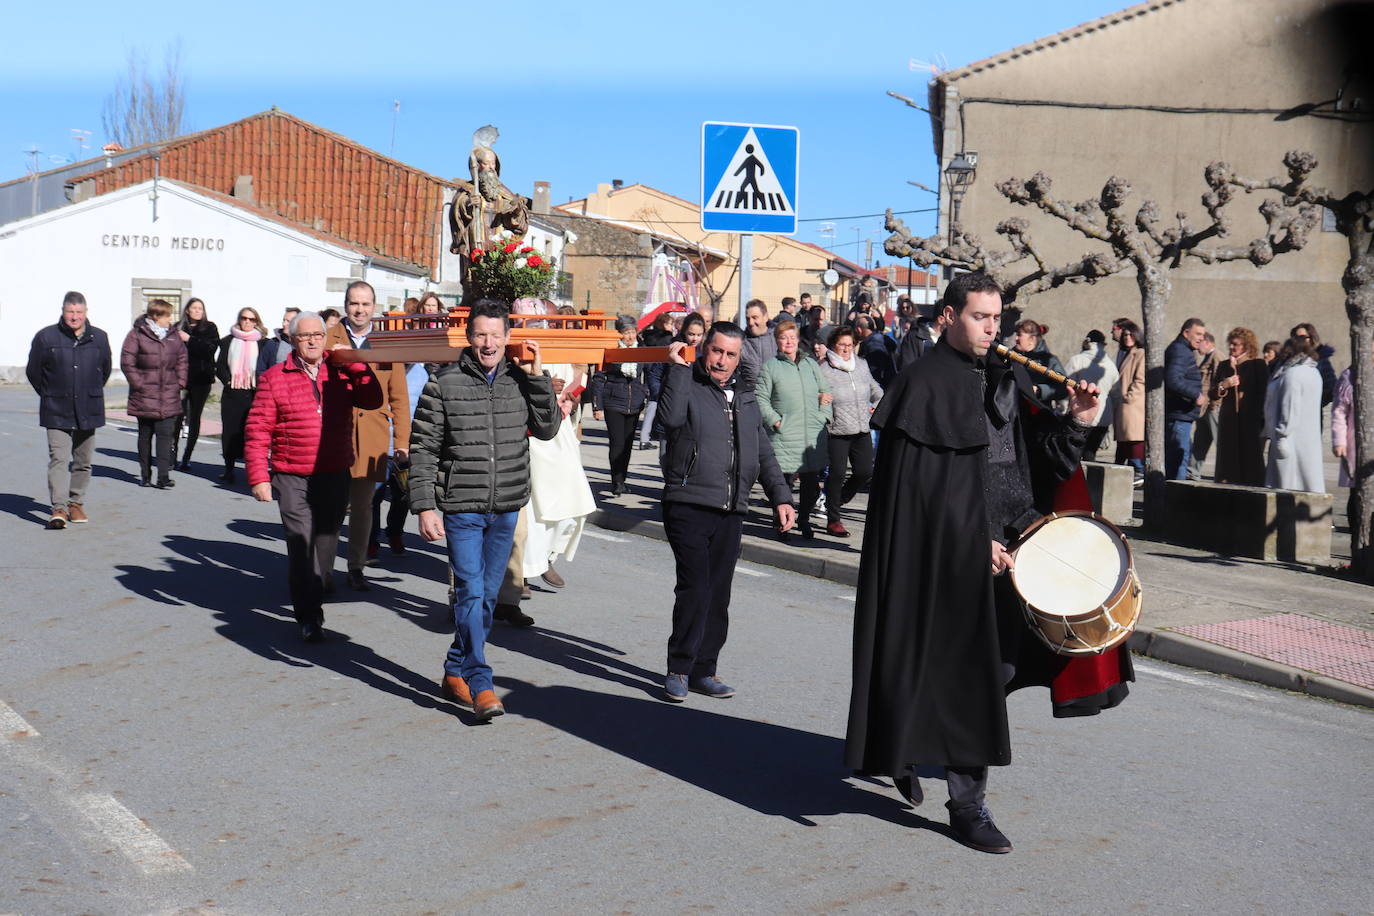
[[1153, 94]]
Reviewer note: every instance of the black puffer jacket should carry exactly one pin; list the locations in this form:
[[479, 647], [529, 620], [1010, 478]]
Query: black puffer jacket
[[469, 450], [617, 392], [717, 449], [69, 373]]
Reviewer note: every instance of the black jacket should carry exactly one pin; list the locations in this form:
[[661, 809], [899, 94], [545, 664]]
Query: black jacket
[[875, 352], [717, 449], [617, 392], [200, 353], [469, 448], [69, 373]]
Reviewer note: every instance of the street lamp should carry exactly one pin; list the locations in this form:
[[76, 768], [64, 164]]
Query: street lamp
[[959, 174]]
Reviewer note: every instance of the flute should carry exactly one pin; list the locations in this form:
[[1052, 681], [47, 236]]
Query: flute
[[1035, 367]]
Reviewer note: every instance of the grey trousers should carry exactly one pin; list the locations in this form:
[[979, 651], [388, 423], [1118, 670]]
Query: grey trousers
[[69, 465], [967, 786], [360, 493], [312, 509]]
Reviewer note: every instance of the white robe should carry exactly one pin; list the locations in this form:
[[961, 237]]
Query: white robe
[[560, 497]]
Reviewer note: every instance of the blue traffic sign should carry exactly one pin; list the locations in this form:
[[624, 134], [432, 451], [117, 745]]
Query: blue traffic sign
[[749, 178]]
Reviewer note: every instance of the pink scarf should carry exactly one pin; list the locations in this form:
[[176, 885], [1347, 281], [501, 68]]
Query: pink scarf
[[243, 357]]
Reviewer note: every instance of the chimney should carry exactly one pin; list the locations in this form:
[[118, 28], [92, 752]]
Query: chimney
[[243, 188], [541, 197], [617, 184], [109, 149]]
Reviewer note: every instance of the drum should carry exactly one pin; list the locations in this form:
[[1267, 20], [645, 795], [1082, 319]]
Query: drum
[[1075, 574]]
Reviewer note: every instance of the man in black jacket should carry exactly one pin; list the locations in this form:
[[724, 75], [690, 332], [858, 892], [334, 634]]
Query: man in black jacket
[[717, 449], [69, 364], [469, 476]]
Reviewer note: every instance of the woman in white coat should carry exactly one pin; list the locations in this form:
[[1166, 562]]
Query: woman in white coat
[[1293, 420]]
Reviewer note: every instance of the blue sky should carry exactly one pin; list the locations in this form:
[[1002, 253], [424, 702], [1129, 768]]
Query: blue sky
[[582, 93]]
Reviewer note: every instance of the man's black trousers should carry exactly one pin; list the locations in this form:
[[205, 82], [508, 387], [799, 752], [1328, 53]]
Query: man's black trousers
[[312, 511], [706, 546]]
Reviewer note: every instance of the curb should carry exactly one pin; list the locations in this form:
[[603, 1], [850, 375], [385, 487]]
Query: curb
[[1167, 646], [1163, 645]]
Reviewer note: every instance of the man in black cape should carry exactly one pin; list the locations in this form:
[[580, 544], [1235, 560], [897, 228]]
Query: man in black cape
[[966, 461]]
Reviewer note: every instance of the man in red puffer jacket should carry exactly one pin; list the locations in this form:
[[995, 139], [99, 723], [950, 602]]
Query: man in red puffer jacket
[[301, 424]]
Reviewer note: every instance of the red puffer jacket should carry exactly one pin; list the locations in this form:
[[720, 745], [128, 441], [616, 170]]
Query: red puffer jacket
[[302, 427]]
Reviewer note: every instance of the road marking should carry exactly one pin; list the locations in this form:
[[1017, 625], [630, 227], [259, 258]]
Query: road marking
[[587, 533], [753, 572], [12, 725], [130, 835], [845, 597], [1214, 682]]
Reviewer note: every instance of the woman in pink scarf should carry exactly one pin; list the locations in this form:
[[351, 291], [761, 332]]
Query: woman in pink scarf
[[235, 368]]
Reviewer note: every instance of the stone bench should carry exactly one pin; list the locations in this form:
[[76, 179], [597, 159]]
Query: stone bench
[[1254, 522], [1111, 488]]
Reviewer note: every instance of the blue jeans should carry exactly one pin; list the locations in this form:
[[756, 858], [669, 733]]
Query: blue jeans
[[1178, 448], [479, 546]]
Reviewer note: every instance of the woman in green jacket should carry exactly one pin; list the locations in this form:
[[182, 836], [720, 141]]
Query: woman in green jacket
[[794, 399]]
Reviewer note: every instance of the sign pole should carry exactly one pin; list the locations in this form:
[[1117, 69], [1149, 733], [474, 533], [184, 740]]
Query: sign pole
[[746, 274]]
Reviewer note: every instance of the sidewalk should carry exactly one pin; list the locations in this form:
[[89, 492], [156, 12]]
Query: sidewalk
[[1285, 625]]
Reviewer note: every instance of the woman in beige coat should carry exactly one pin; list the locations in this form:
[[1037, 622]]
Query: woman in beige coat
[[1128, 422]]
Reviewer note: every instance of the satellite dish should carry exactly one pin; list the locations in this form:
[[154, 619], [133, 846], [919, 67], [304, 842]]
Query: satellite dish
[[830, 277], [485, 136]]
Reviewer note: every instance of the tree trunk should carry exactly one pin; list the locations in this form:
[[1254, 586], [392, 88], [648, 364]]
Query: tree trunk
[[1358, 281], [1155, 289]]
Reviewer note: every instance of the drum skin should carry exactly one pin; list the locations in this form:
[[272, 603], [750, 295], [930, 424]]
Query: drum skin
[[1075, 573]]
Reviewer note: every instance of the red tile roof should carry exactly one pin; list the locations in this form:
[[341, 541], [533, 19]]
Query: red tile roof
[[308, 176]]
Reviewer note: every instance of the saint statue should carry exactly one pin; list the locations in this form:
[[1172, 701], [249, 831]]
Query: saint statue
[[483, 207]]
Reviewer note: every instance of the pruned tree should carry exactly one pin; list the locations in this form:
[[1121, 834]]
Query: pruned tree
[[1132, 239], [146, 107], [1355, 220]]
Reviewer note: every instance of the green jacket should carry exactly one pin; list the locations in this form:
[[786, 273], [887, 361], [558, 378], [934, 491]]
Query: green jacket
[[469, 443], [790, 393]]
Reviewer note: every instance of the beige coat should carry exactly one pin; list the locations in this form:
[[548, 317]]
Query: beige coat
[[372, 429], [1128, 425]]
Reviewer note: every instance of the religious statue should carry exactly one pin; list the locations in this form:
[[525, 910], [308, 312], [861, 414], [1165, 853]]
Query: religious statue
[[483, 207]]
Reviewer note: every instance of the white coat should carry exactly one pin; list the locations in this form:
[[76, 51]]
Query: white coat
[[1293, 426]]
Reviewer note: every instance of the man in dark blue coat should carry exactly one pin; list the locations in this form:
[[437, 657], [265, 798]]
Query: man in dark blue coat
[[69, 363], [1183, 397]]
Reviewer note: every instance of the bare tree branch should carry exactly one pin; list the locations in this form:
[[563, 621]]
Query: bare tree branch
[[145, 109]]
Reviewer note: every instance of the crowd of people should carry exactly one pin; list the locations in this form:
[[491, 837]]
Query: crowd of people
[[485, 452]]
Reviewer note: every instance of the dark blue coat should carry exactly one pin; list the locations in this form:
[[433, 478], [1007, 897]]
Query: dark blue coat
[[69, 373], [1182, 382]]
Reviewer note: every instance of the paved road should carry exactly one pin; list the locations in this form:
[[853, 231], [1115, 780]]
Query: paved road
[[168, 746]]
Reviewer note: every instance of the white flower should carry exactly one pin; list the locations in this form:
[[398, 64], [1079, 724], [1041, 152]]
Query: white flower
[[519, 262], [507, 234]]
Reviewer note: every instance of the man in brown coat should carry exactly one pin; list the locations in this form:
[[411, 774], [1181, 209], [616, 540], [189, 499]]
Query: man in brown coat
[[377, 434]]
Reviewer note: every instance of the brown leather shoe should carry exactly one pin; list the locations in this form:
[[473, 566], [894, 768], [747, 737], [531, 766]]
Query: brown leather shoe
[[456, 689], [77, 514], [551, 577], [59, 519], [487, 707]]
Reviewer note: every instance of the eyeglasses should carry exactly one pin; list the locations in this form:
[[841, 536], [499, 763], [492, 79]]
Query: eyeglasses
[[311, 335]]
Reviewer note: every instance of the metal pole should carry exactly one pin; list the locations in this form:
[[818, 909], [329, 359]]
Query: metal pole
[[746, 274]]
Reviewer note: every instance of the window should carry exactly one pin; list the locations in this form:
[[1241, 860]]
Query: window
[[172, 296]]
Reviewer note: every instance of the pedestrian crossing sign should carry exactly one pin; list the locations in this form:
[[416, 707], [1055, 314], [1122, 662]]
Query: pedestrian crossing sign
[[749, 178]]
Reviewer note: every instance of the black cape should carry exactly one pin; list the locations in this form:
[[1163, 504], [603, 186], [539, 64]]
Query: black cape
[[935, 650]]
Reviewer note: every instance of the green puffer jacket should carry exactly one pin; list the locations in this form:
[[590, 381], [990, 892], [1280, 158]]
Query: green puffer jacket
[[790, 392], [469, 451]]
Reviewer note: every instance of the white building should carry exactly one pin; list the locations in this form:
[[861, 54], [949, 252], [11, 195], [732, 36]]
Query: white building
[[171, 241]]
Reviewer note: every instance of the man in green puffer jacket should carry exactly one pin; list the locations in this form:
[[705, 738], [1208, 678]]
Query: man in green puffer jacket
[[469, 476]]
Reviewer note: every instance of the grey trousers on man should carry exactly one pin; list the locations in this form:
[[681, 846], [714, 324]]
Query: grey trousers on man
[[69, 465], [312, 509]]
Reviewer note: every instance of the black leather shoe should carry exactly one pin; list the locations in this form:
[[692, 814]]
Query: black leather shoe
[[312, 632], [910, 788], [227, 476], [512, 615], [974, 828], [166, 484], [357, 582]]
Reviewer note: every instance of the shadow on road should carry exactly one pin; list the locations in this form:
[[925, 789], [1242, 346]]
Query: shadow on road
[[579, 655], [222, 577], [772, 769], [25, 507]]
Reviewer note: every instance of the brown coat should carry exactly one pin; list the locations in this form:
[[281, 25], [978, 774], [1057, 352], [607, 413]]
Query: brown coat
[[156, 371], [372, 429], [1129, 421]]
